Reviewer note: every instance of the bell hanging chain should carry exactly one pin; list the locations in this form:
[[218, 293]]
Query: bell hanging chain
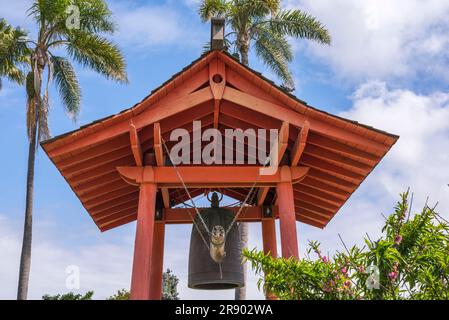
[[193, 203], [195, 224], [247, 196], [185, 187]]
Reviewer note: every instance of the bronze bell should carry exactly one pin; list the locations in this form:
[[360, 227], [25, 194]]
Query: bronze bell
[[204, 272]]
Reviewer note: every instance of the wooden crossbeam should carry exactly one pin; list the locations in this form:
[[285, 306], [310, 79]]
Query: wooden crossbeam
[[210, 176], [160, 161], [248, 214], [182, 216], [282, 147], [300, 144]]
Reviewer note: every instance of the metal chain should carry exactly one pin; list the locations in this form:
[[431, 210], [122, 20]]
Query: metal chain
[[185, 187], [193, 203], [247, 196], [195, 224]]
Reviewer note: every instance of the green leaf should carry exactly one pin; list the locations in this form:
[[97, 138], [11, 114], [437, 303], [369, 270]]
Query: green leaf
[[67, 84], [99, 54]]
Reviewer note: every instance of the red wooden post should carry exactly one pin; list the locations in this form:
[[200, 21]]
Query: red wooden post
[[269, 244], [143, 247], [157, 262], [287, 217]]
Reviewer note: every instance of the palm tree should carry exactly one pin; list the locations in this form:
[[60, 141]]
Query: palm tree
[[13, 53], [264, 26], [77, 29]]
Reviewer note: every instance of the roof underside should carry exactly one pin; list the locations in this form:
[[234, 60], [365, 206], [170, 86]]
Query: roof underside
[[339, 152]]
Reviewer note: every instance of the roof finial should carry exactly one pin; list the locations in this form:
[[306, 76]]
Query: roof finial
[[217, 33]]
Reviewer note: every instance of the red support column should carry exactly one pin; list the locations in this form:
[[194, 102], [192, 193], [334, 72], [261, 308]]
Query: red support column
[[269, 244], [287, 216], [143, 247], [157, 262]]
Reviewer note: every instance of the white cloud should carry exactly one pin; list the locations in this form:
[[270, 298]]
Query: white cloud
[[105, 262], [151, 26], [104, 267], [381, 38], [419, 160]]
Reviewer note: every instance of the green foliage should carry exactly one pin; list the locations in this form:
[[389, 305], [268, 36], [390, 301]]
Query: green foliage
[[59, 28], [13, 52], [69, 296], [169, 286], [67, 83], [265, 26], [411, 257], [122, 294]]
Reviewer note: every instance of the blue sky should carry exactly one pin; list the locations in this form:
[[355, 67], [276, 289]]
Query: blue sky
[[388, 67]]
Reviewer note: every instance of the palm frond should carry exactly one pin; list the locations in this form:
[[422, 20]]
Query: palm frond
[[67, 84], [13, 52], [99, 54], [274, 57], [43, 131], [257, 8], [212, 8], [278, 41], [49, 12], [95, 16], [299, 24]]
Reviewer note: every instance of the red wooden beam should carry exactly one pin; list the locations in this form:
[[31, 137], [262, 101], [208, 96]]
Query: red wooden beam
[[156, 113], [298, 119], [217, 82], [287, 217], [269, 245], [157, 262], [300, 144], [160, 161], [143, 247], [209, 176], [136, 147], [282, 147], [182, 215]]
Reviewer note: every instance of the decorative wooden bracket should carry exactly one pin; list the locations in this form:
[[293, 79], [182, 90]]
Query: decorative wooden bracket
[[217, 82], [136, 147], [300, 144], [282, 147], [160, 160]]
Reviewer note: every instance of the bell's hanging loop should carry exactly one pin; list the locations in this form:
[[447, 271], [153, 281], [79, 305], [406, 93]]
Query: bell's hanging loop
[[215, 200]]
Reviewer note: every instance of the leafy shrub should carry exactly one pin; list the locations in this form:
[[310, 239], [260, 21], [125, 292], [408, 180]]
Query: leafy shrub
[[409, 261], [69, 296]]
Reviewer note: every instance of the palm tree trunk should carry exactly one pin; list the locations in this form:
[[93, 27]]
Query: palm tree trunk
[[25, 258], [240, 293], [244, 55]]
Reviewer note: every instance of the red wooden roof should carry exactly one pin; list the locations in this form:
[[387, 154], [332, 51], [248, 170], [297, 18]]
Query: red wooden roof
[[340, 152]]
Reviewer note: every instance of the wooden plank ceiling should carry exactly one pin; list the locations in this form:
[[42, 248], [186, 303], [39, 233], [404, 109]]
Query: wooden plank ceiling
[[339, 152]]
